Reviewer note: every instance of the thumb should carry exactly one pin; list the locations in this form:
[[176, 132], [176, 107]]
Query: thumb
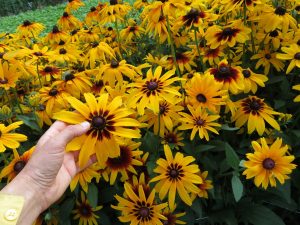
[[70, 132]]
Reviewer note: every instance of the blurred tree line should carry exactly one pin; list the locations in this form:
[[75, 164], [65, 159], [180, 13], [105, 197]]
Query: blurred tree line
[[12, 7]]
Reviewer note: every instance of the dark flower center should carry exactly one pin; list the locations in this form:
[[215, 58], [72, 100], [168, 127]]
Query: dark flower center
[[93, 9], [55, 29], [224, 69], [246, 73], [152, 85], [69, 76], [144, 212], [297, 8], [268, 164], [65, 14], [297, 56], [113, 2], [1, 55], [73, 32], [85, 210], [3, 81], [62, 51], [228, 31], [190, 76], [19, 166], [41, 107], [132, 29], [114, 63], [274, 33], [298, 42], [26, 23], [53, 92], [48, 69], [61, 42], [280, 11], [98, 122], [174, 173], [191, 17], [121, 162], [110, 28], [201, 98], [162, 109], [94, 44], [255, 105], [38, 54], [200, 122], [268, 56]]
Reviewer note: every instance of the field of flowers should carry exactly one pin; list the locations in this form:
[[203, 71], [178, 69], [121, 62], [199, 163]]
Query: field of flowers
[[193, 104]]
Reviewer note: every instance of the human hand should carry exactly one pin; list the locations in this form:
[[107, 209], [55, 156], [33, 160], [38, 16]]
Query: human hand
[[49, 171]]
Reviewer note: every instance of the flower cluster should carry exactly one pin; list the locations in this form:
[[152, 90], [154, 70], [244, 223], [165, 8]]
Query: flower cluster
[[175, 92]]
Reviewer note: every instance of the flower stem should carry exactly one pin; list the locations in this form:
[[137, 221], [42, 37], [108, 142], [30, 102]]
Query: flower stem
[[38, 73], [17, 99], [118, 35], [172, 48], [202, 66]]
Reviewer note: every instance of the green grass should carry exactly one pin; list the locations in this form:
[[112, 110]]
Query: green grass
[[47, 16]]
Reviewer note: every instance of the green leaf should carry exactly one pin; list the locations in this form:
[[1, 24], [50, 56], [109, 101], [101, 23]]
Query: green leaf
[[196, 207], [226, 127], [231, 157], [237, 187], [92, 195], [66, 209], [150, 142], [260, 215], [30, 121]]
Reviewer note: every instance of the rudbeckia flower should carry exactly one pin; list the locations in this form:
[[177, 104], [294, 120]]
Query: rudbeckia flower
[[199, 121], [185, 61], [116, 10], [266, 58], [205, 91], [252, 80], [254, 111], [292, 53], [73, 5], [114, 72], [157, 28], [212, 56], [148, 92], [139, 208], [277, 18], [16, 165], [9, 139], [68, 22], [84, 212], [168, 112], [173, 137], [108, 120], [126, 163], [229, 76], [42, 116], [176, 175], [30, 29], [8, 75], [85, 177], [206, 185], [56, 35], [268, 163], [172, 217], [130, 33], [229, 35], [297, 88]]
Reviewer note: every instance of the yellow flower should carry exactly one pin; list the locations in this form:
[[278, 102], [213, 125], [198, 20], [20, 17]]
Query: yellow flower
[[16, 165], [229, 76], [148, 92], [124, 164], [68, 22], [266, 58], [85, 177], [292, 53], [114, 72], [268, 162], [206, 185], [253, 111], [172, 218], [30, 28], [229, 35], [85, 212], [205, 91], [108, 120], [8, 75], [199, 121], [297, 88], [73, 5], [176, 175], [8, 139], [252, 80], [168, 112], [139, 207]]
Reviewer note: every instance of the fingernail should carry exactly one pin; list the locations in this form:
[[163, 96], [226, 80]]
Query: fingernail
[[85, 124]]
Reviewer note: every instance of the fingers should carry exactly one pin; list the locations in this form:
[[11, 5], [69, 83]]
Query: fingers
[[55, 129], [70, 132]]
